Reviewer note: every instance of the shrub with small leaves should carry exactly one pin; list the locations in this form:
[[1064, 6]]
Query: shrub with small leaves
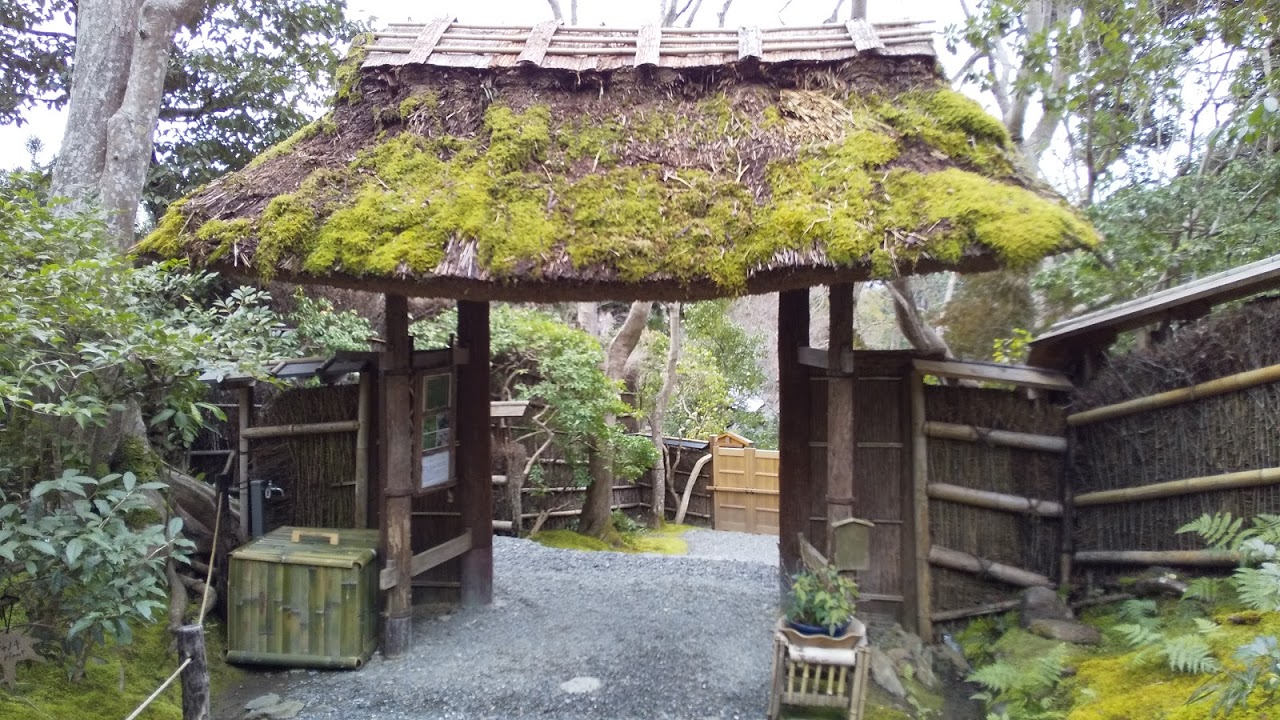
[[80, 572], [822, 598]]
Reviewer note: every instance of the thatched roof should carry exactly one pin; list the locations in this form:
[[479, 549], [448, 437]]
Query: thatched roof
[[552, 163]]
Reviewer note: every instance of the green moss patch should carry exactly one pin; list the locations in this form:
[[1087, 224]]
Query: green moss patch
[[531, 188], [663, 541], [44, 693]]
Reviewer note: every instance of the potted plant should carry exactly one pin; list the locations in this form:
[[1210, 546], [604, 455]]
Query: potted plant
[[821, 602]]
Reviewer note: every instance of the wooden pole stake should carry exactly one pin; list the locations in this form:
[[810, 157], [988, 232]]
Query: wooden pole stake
[[475, 469], [794, 418], [195, 672], [362, 452], [245, 420], [920, 498], [840, 420], [398, 456]]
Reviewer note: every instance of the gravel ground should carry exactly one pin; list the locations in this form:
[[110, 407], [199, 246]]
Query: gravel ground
[[664, 637], [723, 545]]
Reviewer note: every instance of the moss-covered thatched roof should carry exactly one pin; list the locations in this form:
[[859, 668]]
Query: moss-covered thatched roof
[[705, 177]]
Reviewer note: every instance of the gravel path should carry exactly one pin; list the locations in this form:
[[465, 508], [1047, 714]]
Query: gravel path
[[664, 637], [723, 545]]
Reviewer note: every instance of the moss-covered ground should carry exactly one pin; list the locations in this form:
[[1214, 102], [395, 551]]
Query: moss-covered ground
[[665, 540], [44, 693], [1116, 681]]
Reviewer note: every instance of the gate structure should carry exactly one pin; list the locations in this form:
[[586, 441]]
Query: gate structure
[[746, 489]]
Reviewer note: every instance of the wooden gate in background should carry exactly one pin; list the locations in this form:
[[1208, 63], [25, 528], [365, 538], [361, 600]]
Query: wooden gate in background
[[745, 489]]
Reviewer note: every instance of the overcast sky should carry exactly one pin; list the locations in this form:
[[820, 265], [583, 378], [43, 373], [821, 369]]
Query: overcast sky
[[47, 126]]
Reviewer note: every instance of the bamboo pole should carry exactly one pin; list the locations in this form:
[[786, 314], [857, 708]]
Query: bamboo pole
[[976, 611], [362, 451], [964, 562], [994, 500], [1221, 386], [1003, 438], [1188, 486], [920, 502], [1067, 538], [245, 420], [279, 431], [1197, 558]]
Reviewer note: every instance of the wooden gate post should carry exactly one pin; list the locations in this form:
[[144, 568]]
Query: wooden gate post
[[398, 454], [475, 471], [793, 429], [840, 410]]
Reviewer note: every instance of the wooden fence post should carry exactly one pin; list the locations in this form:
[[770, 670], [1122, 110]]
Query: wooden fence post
[[195, 676]]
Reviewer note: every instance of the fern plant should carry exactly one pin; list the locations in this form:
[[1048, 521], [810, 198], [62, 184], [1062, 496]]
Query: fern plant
[[1256, 583], [1187, 652], [1023, 688]]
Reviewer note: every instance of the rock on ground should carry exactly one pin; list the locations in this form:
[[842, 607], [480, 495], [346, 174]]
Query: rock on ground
[[665, 637]]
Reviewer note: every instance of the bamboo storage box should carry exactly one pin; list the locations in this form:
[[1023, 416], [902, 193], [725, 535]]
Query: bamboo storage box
[[304, 597]]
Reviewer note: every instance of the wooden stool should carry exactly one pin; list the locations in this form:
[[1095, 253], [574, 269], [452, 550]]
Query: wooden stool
[[819, 670]]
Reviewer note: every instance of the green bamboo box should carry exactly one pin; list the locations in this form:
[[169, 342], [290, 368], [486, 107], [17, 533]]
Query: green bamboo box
[[304, 597]]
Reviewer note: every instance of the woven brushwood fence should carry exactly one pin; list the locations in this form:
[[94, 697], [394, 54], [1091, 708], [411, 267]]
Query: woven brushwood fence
[[1232, 432], [1019, 540], [315, 472]]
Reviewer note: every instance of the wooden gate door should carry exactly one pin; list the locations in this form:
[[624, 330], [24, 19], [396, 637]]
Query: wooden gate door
[[746, 490]]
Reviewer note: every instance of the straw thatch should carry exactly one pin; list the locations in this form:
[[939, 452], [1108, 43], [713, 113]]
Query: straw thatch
[[548, 163]]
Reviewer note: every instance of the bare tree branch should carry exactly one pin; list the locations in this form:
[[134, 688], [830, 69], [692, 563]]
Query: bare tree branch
[[688, 21], [910, 321], [555, 9], [723, 12], [835, 12]]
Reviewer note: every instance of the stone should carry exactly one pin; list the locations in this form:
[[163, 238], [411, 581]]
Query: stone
[[1159, 582], [262, 701], [1068, 631], [280, 710], [953, 657], [884, 674], [581, 685], [898, 655], [1042, 603], [923, 666]]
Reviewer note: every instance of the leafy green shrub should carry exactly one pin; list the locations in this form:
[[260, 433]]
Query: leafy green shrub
[[1186, 652], [324, 330], [822, 598], [80, 573]]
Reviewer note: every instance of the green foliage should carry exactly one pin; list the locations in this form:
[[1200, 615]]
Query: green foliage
[[324, 330], [84, 333], [1255, 681], [1022, 687], [1184, 651], [822, 598], [1012, 350], [80, 572], [539, 357]]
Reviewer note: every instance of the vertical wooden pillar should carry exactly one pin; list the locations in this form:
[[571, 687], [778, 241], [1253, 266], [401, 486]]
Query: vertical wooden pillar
[[195, 676], [475, 472], [397, 455], [245, 420], [920, 505], [793, 429], [840, 420], [361, 510]]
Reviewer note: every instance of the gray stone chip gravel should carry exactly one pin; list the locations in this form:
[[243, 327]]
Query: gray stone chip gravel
[[665, 637]]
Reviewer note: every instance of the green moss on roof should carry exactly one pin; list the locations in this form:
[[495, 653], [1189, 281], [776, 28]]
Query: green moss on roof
[[346, 79], [519, 189]]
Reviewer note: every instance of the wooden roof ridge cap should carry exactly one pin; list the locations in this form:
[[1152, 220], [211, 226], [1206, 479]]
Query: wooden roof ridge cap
[[1262, 272], [533, 42]]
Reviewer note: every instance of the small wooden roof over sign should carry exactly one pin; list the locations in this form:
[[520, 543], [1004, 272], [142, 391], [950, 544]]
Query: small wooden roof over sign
[[1095, 331]]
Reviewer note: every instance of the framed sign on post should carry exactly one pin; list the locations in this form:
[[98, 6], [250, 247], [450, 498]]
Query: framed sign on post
[[437, 431]]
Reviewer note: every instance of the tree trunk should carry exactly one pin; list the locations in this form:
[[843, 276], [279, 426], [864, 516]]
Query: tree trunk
[[105, 31], [659, 508], [597, 506], [917, 331]]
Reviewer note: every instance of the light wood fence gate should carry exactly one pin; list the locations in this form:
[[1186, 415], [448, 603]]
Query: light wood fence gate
[[746, 489]]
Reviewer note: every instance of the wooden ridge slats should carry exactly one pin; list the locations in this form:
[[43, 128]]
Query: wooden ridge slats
[[428, 38], [553, 46], [536, 48], [750, 43], [864, 36], [648, 44], [1038, 378]]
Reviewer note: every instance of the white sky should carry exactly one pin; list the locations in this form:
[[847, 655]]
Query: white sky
[[47, 126]]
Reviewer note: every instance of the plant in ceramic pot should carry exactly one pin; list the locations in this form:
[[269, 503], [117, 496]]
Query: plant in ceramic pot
[[821, 602]]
